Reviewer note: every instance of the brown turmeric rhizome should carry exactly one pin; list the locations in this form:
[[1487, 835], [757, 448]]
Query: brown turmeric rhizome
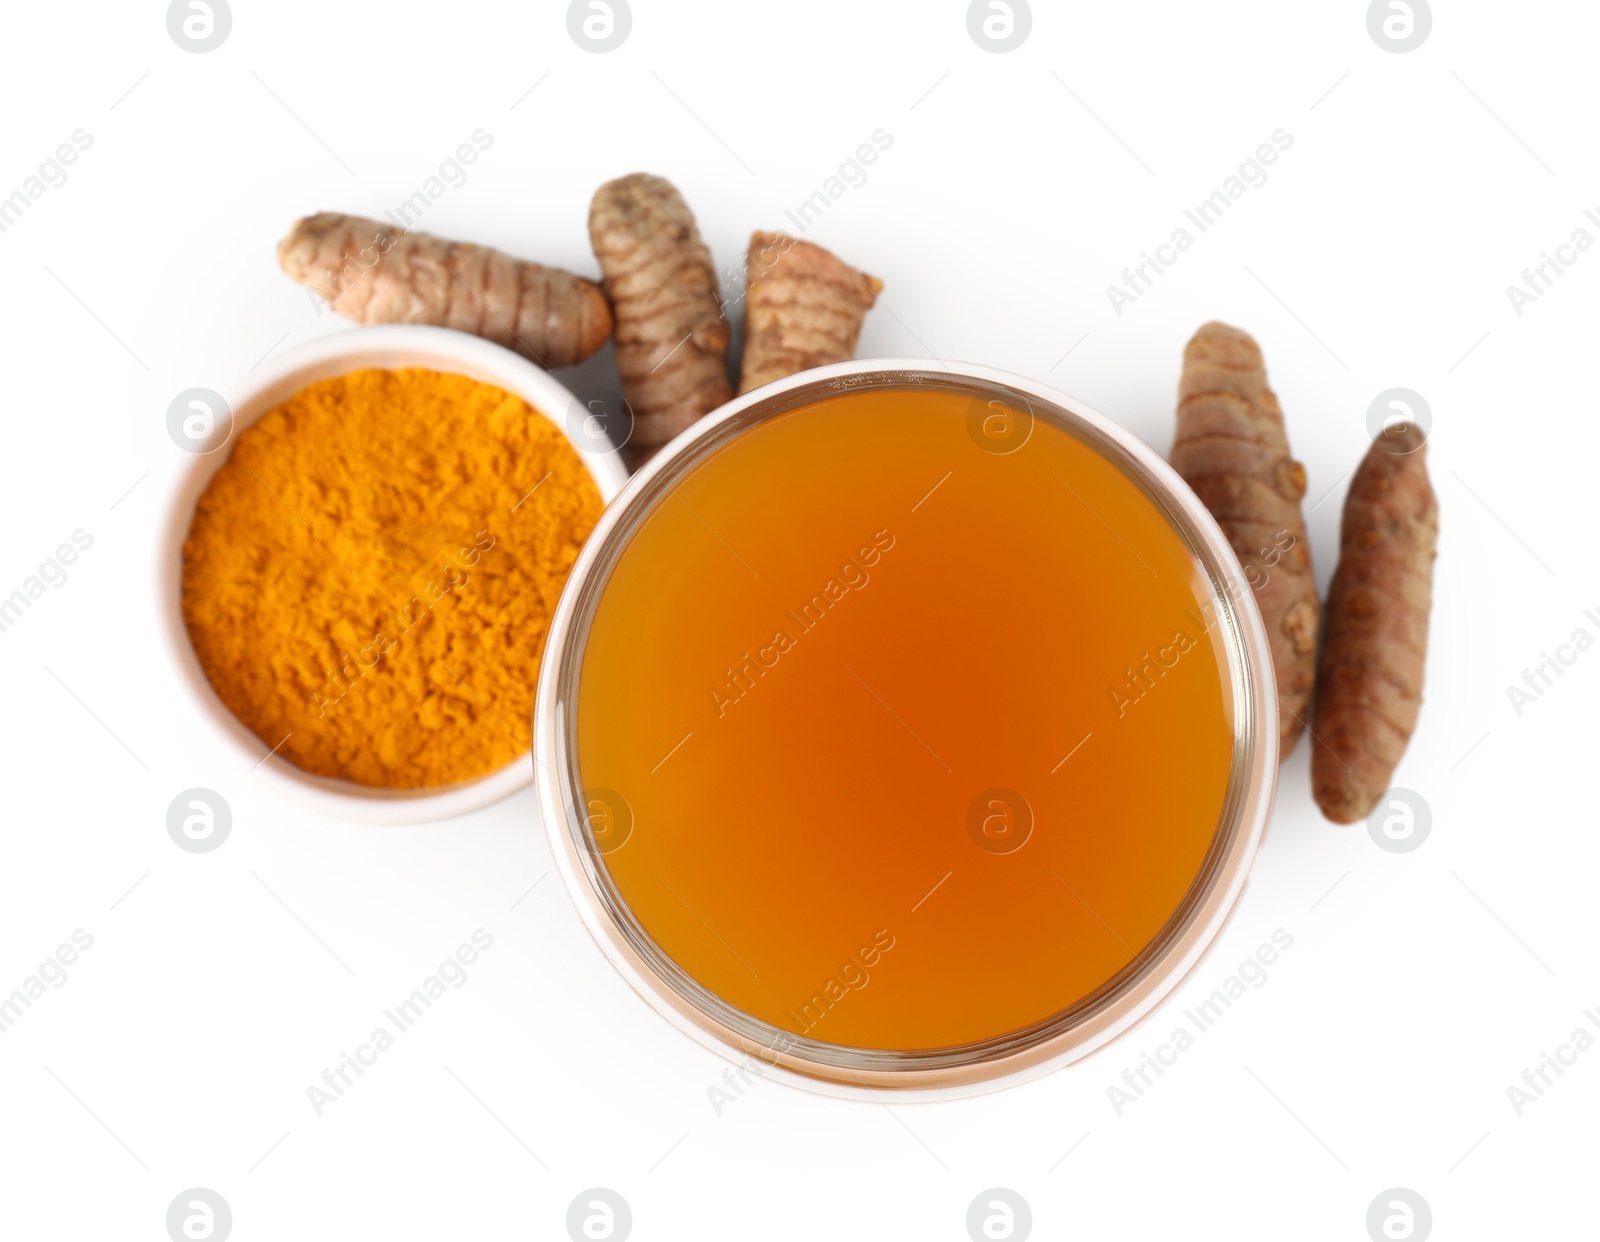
[[368, 579]]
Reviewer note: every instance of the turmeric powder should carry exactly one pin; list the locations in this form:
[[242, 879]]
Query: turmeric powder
[[368, 579]]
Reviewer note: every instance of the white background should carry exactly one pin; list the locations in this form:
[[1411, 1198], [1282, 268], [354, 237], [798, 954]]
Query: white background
[[1018, 187]]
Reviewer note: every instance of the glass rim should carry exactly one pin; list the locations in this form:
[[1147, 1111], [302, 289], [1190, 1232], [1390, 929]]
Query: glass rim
[[1070, 1033]]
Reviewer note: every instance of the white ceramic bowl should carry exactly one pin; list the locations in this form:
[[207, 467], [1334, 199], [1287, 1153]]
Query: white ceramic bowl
[[387, 347]]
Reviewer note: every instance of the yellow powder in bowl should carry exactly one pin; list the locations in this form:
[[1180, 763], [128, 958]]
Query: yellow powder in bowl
[[368, 579]]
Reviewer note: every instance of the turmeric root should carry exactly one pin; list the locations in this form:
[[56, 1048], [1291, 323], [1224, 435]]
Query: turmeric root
[[672, 341], [372, 273], [803, 308], [1369, 680], [1231, 448]]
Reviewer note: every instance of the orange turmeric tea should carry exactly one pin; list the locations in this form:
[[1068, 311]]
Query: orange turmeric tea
[[901, 721]]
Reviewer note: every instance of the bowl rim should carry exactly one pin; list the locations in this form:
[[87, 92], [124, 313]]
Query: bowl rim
[[1246, 812], [382, 346]]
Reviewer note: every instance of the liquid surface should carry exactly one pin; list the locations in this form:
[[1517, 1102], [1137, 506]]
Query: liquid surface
[[896, 741]]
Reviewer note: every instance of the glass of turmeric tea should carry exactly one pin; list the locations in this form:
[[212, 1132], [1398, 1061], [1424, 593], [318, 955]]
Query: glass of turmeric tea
[[905, 729]]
